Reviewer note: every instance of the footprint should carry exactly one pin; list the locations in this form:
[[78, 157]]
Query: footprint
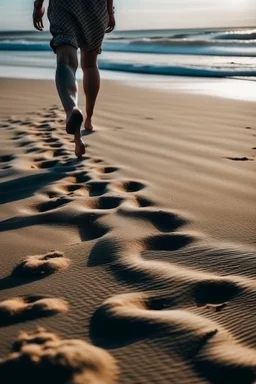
[[60, 152], [74, 187], [41, 265], [57, 145], [43, 357], [6, 158], [43, 135], [25, 143], [52, 194], [14, 121], [217, 291], [53, 204], [39, 159], [47, 164], [164, 221], [107, 169], [171, 242], [97, 188], [45, 127], [82, 177], [143, 202], [7, 167], [90, 228], [20, 134], [35, 149], [77, 190], [239, 158], [54, 107], [129, 186], [51, 140], [138, 202], [26, 122], [130, 317], [19, 309], [106, 202]]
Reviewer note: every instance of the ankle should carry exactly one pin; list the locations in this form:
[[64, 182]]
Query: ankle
[[77, 136]]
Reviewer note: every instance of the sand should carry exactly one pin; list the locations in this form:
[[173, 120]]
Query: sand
[[138, 261]]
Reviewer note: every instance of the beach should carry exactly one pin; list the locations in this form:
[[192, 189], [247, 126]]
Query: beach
[[144, 249]]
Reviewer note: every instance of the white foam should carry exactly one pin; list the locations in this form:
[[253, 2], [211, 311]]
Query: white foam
[[41, 66]]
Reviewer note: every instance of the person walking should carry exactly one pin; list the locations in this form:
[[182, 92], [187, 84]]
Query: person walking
[[76, 24]]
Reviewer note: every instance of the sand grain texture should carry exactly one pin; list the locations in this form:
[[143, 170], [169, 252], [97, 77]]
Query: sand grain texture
[[144, 248]]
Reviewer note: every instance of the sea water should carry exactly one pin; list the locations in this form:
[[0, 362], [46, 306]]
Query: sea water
[[157, 54]]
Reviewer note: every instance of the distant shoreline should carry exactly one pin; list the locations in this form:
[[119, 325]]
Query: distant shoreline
[[232, 28]]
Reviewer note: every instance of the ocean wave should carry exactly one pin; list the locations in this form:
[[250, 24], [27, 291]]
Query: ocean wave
[[186, 47], [145, 45], [176, 70], [188, 42], [23, 45], [236, 35], [175, 65]]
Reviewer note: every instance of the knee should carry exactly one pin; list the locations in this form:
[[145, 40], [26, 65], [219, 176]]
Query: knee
[[68, 58], [88, 65], [88, 60]]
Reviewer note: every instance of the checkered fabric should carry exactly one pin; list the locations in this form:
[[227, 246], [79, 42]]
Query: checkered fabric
[[80, 23]]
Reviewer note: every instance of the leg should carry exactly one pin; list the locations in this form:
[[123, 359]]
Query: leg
[[66, 84], [91, 84]]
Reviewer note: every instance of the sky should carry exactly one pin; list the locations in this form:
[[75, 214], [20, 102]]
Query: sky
[[151, 14]]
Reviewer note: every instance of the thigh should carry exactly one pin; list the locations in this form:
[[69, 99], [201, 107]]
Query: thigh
[[63, 27]]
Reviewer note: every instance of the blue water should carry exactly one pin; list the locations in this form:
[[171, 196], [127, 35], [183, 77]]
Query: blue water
[[205, 53]]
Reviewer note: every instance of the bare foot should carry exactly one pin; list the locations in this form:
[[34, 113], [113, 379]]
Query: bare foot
[[79, 145], [88, 124], [74, 121]]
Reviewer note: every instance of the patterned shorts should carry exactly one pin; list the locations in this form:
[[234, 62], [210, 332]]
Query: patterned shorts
[[80, 23]]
